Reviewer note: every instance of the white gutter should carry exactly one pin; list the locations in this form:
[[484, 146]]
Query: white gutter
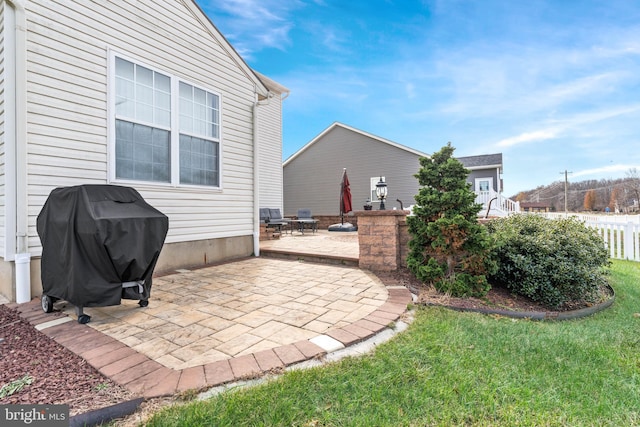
[[16, 214]]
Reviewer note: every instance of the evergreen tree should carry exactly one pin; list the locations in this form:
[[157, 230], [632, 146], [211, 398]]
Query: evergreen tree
[[449, 248]]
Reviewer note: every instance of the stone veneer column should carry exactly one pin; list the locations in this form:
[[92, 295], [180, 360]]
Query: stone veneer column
[[379, 236]]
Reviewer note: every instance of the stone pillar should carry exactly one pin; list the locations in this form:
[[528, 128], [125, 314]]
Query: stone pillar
[[380, 239]]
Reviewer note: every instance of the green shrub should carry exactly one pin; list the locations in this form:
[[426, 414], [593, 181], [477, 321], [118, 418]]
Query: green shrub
[[554, 262], [448, 248]]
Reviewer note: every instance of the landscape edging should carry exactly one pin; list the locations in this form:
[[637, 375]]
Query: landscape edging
[[106, 414]]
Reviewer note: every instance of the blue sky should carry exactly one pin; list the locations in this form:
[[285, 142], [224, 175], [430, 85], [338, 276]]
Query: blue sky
[[554, 85]]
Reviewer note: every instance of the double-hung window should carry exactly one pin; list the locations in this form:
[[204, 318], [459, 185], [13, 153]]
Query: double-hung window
[[199, 136], [162, 123]]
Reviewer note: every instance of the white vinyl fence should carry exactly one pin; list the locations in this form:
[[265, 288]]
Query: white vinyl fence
[[620, 233]]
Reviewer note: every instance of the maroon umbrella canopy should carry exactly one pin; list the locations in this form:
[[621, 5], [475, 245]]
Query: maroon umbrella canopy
[[345, 195], [345, 205]]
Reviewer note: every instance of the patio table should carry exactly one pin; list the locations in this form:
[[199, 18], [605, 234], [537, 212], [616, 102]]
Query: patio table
[[301, 223]]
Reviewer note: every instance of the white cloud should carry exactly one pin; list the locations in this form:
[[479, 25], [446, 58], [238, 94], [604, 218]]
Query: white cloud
[[483, 80], [526, 137], [614, 169], [597, 116], [576, 125], [580, 87], [334, 90], [330, 40], [252, 25], [512, 85], [252, 9]]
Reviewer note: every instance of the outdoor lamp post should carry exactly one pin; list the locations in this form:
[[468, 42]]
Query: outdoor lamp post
[[381, 192]]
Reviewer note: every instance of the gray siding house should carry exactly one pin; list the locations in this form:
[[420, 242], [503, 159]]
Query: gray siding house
[[312, 175], [146, 94]]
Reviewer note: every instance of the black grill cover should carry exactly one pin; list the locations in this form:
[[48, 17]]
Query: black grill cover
[[94, 239]]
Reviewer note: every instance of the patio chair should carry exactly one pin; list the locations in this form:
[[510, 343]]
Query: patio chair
[[275, 215], [305, 219], [264, 215], [273, 219]]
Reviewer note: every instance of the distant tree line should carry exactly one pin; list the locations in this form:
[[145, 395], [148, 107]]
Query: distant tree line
[[615, 195]]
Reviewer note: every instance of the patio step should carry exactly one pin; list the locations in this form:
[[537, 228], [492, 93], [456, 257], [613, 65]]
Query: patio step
[[306, 257]]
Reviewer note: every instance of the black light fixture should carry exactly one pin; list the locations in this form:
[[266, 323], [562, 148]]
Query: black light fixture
[[381, 192]]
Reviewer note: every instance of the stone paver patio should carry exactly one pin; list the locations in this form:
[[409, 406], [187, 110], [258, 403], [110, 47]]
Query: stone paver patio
[[216, 313]]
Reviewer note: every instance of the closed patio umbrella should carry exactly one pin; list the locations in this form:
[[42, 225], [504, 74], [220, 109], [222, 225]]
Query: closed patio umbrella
[[345, 196], [345, 205]]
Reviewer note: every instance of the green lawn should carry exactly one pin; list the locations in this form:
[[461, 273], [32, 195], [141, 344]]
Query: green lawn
[[453, 368]]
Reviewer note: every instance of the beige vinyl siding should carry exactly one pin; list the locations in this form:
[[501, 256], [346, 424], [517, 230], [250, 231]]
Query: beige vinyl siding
[[2, 134], [69, 45], [312, 179], [270, 144]]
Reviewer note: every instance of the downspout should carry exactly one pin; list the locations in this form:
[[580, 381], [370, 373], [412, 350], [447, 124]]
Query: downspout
[[256, 181], [16, 152], [256, 173]]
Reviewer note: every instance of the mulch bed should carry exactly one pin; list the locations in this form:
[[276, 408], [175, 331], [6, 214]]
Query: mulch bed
[[59, 376], [496, 298]]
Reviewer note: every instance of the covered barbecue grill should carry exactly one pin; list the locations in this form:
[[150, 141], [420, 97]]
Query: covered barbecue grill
[[100, 243]]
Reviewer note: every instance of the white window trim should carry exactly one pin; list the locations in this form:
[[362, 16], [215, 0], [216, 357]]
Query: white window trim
[[175, 128], [477, 184]]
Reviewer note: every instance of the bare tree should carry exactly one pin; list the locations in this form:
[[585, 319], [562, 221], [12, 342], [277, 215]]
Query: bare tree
[[632, 185], [614, 200], [624, 191], [590, 200]]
